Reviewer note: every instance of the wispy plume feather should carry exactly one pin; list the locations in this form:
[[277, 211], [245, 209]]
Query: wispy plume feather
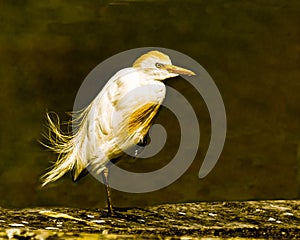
[[65, 145]]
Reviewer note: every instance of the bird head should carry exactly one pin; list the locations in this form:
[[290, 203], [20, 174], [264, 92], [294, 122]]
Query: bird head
[[158, 65]]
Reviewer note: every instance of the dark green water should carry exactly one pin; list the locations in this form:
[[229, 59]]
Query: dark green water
[[250, 48]]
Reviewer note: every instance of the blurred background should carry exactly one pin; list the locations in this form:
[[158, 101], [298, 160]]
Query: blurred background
[[250, 48]]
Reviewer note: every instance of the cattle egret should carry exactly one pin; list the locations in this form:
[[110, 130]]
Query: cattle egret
[[117, 119]]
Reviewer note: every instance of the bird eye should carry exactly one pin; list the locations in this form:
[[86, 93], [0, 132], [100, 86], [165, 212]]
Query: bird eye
[[159, 65]]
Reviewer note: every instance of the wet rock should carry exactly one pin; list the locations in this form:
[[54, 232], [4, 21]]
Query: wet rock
[[244, 219]]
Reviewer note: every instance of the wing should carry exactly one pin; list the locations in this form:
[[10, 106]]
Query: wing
[[123, 112], [140, 120]]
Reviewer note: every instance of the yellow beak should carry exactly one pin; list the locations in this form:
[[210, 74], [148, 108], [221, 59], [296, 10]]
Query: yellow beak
[[178, 70]]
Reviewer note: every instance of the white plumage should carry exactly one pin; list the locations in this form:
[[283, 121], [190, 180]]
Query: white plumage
[[118, 118]]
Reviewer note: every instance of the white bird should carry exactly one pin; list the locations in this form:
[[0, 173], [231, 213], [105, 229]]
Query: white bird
[[116, 120]]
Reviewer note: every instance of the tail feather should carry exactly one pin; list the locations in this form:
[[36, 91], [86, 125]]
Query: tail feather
[[57, 172], [65, 146]]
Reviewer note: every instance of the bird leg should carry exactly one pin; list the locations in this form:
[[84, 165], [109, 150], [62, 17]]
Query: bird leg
[[143, 141], [105, 175], [140, 145]]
